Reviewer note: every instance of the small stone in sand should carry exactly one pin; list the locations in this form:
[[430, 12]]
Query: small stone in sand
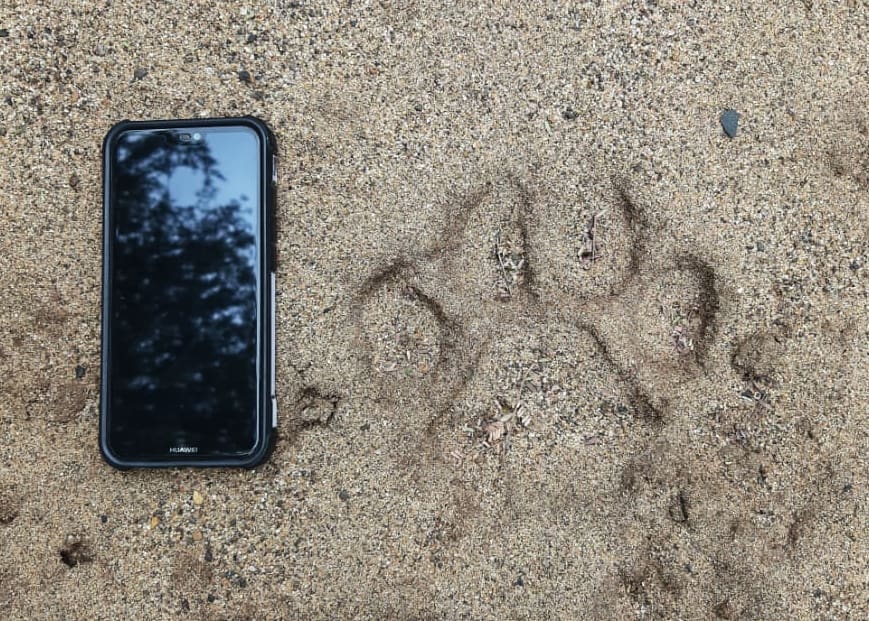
[[79, 371], [154, 521], [197, 535], [140, 73], [244, 76], [344, 495], [197, 498], [730, 121]]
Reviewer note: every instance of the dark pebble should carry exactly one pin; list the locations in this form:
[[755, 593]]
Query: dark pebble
[[4, 32], [210, 598], [251, 38], [73, 181], [79, 371], [244, 76], [520, 582], [730, 121], [855, 265], [236, 579], [760, 246], [344, 495], [140, 73], [417, 107], [570, 114], [185, 605], [209, 555], [104, 518]]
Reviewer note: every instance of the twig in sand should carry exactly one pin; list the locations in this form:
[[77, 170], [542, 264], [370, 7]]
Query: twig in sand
[[589, 255], [498, 430], [510, 266], [507, 283]]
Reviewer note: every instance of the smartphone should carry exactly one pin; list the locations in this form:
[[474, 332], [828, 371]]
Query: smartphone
[[188, 304]]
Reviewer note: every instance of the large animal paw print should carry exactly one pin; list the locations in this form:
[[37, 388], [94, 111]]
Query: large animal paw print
[[437, 322]]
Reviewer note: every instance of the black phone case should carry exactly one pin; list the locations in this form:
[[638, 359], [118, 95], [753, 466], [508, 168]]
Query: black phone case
[[267, 410]]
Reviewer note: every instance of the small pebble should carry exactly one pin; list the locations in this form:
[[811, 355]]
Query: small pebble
[[251, 38], [197, 498], [197, 535], [730, 121], [99, 50], [104, 518], [520, 582], [79, 371], [570, 114], [244, 76], [140, 73], [154, 521], [4, 32], [344, 495]]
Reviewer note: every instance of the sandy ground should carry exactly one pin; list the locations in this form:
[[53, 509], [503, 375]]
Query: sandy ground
[[552, 346]]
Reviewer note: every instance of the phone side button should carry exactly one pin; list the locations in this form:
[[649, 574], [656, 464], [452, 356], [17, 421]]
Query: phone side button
[[273, 326], [274, 412]]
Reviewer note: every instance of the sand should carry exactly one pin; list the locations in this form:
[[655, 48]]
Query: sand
[[551, 345]]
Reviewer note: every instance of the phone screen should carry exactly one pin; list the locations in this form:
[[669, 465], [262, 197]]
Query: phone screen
[[185, 213]]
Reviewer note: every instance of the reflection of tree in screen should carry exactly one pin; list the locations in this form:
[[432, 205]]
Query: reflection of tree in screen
[[184, 300]]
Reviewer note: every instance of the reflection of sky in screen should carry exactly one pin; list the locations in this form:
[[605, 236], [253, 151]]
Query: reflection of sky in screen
[[236, 153]]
